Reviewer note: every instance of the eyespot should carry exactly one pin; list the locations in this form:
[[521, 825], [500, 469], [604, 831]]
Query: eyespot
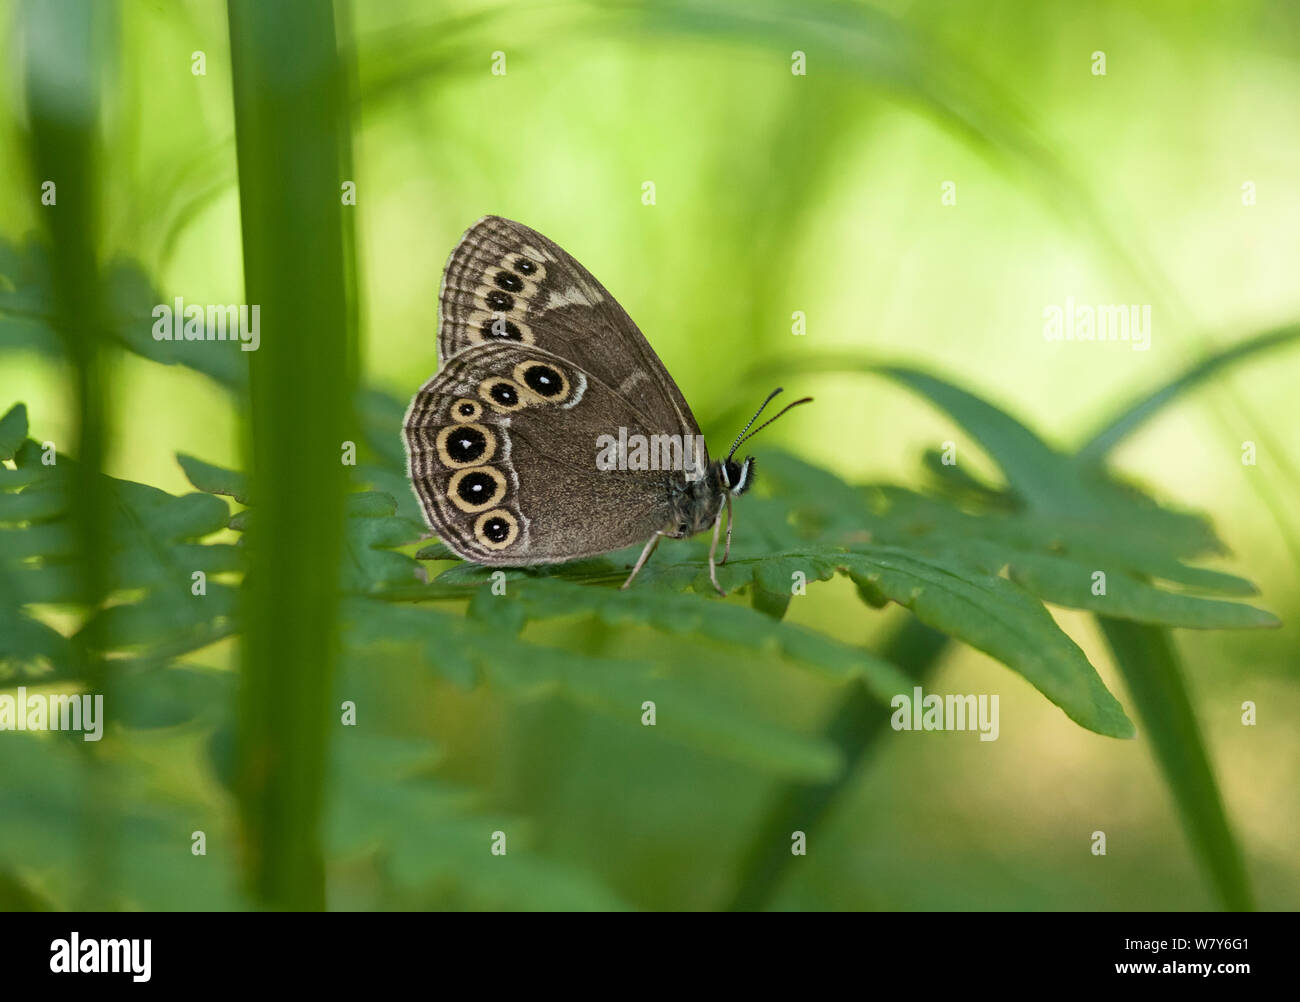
[[498, 327], [461, 445], [465, 409], [498, 300], [496, 529], [477, 488], [526, 266], [502, 394], [499, 281], [502, 328], [503, 281], [547, 381], [508, 281]]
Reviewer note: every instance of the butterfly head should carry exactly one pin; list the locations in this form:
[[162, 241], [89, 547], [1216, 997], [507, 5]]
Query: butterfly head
[[736, 478], [697, 504]]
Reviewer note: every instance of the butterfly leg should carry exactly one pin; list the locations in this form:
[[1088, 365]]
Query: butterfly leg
[[713, 570], [645, 555], [726, 553]]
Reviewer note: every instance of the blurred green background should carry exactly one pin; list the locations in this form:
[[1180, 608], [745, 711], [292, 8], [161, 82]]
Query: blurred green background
[[774, 193]]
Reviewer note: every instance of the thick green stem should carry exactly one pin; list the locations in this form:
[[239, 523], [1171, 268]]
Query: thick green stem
[[292, 137], [1147, 658]]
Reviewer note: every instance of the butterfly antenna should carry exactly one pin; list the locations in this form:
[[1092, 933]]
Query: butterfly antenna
[[746, 434], [740, 438]]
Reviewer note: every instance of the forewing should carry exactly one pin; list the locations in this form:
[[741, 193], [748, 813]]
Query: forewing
[[506, 282]]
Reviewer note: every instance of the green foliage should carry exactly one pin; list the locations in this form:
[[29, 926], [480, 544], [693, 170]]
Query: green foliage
[[978, 572], [1066, 518], [338, 596], [153, 549], [971, 560], [28, 315], [13, 431]]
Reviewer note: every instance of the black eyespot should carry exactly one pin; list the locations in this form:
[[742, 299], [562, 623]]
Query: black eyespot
[[524, 266], [501, 328], [509, 282], [466, 444], [496, 528], [499, 300], [544, 380], [504, 394], [682, 528], [466, 409], [476, 488]]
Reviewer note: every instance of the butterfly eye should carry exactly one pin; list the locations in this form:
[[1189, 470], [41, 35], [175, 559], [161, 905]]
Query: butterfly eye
[[738, 477], [682, 528]]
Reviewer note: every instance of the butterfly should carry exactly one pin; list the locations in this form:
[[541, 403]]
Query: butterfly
[[551, 430]]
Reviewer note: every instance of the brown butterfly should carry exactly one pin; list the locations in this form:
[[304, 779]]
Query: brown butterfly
[[552, 431]]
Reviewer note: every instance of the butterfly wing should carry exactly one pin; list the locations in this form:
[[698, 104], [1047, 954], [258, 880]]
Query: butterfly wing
[[504, 447], [507, 282]]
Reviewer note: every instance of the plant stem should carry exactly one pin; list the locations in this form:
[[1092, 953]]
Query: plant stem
[[292, 135], [853, 728], [1150, 665]]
